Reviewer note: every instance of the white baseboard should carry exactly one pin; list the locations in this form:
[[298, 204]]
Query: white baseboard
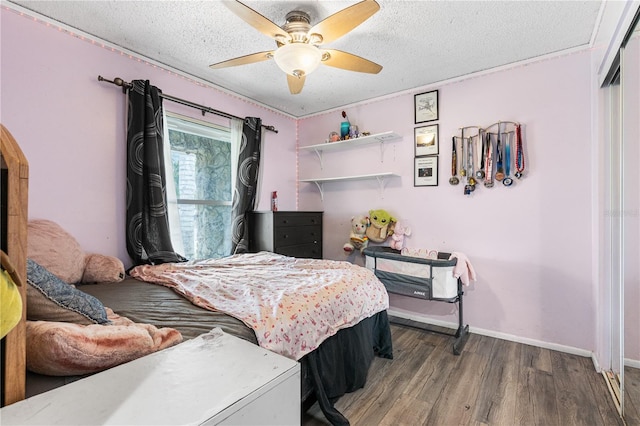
[[632, 363], [596, 364], [496, 334]]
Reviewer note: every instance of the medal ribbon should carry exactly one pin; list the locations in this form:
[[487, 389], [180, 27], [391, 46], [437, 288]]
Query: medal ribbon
[[481, 139], [507, 154], [488, 171], [470, 160], [454, 157], [519, 151]]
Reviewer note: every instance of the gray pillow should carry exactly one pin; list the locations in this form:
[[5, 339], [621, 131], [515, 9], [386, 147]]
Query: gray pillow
[[51, 299]]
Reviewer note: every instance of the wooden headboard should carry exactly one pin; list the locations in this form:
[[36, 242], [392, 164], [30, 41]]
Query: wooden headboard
[[15, 187]]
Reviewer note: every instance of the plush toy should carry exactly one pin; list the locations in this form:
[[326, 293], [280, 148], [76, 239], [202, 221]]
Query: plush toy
[[56, 250], [378, 230], [357, 238], [400, 230], [10, 299]]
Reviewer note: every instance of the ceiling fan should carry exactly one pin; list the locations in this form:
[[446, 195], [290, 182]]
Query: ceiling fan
[[298, 53]]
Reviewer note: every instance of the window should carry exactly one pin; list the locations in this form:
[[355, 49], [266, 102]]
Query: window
[[202, 161]]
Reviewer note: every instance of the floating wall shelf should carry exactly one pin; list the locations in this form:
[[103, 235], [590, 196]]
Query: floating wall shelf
[[380, 177], [380, 138]]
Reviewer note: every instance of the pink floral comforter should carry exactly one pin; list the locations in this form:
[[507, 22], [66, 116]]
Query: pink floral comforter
[[292, 304]]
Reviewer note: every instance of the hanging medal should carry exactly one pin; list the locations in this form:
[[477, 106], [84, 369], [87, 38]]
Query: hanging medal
[[454, 163], [463, 166], [507, 154], [488, 164], [471, 181], [519, 153], [499, 168], [470, 163], [480, 171]]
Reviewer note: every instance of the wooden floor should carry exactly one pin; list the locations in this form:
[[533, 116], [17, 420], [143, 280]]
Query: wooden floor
[[493, 382]]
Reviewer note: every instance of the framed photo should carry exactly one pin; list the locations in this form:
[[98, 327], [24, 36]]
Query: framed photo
[[426, 171], [426, 140], [426, 106]]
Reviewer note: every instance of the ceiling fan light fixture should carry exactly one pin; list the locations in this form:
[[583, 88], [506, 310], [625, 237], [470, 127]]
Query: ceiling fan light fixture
[[298, 58]]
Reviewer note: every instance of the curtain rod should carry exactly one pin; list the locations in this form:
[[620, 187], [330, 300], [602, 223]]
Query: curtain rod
[[125, 86]]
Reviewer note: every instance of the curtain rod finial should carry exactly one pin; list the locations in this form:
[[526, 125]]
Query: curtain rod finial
[[118, 82]]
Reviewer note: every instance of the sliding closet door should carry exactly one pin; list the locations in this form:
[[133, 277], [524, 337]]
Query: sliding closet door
[[614, 266], [630, 89], [622, 223]]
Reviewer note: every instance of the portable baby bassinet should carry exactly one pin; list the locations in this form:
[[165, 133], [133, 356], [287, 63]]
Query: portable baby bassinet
[[428, 279]]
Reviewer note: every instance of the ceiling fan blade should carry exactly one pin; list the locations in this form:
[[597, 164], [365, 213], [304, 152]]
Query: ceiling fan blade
[[259, 22], [340, 23], [295, 83], [244, 60], [349, 61]]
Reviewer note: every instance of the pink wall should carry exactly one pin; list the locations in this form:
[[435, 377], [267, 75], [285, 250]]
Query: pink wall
[[71, 128], [530, 244]]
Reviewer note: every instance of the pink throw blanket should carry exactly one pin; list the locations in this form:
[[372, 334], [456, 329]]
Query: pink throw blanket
[[63, 348], [292, 304]]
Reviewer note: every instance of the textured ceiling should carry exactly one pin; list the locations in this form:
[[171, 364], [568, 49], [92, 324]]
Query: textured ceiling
[[417, 42]]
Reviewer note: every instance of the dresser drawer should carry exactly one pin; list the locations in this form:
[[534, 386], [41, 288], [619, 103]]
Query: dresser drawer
[[310, 251], [287, 219], [291, 235]]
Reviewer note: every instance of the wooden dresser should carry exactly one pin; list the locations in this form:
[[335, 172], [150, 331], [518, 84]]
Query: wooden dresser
[[291, 233]]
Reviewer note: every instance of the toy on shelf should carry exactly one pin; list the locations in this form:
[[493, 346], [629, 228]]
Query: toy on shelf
[[400, 231], [379, 225], [358, 239]]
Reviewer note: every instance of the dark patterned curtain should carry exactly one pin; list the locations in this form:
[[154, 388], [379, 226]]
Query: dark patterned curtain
[[244, 195], [148, 236]]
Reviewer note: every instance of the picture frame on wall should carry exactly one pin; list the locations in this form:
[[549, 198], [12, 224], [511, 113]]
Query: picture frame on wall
[[426, 171], [426, 140], [426, 106]]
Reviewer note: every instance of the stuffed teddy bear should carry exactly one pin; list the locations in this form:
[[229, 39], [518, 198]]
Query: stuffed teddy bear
[[56, 250], [379, 222], [400, 230], [357, 238]]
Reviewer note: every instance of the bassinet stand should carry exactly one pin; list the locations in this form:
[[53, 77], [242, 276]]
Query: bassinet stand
[[462, 332], [420, 287]]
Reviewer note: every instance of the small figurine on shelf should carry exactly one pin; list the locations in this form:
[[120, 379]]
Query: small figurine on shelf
[[344, 130], [348, 130]]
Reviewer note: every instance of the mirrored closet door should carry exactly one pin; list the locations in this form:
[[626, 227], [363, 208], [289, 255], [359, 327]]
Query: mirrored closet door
[[622, 225], [630, 125]]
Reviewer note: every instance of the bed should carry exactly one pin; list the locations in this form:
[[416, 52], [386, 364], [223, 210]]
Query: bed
[[339, 364], [14, 180]]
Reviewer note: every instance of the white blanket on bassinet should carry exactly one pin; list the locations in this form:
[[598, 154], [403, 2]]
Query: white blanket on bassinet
[[463, 269]]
